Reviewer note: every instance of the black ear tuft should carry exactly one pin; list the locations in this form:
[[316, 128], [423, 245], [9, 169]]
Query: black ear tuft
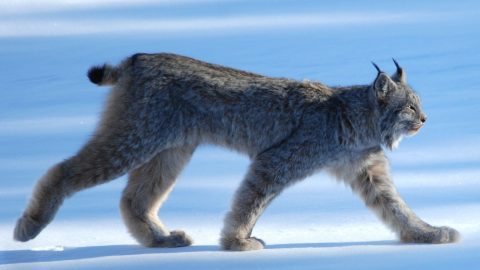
[[95, 74], [399, 75], [396, 64], [376, 67]]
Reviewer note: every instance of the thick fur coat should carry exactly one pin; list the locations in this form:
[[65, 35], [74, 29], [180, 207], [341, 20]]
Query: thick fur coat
[[162, 106]]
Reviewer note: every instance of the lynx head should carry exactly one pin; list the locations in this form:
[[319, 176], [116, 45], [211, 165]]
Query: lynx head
[[399, 106]]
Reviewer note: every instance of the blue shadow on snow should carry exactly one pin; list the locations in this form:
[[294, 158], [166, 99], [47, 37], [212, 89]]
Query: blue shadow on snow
[[77, 253]]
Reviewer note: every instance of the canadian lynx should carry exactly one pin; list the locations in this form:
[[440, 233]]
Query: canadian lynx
[[162, 106]]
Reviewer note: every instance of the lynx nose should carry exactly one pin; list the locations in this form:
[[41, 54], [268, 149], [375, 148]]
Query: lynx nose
[[423, 118]]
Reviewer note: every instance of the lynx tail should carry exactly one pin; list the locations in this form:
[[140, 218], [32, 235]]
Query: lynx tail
[[103, 75]]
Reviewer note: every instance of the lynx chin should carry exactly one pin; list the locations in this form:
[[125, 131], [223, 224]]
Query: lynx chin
[[162, 106]]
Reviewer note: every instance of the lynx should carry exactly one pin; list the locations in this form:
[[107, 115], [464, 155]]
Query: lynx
[[162, 106]]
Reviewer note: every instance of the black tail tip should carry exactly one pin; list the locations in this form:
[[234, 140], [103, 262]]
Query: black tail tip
[[95, 74]]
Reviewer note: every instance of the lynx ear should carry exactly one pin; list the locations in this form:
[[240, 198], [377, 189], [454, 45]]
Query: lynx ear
[[383, 85], [399, 75]]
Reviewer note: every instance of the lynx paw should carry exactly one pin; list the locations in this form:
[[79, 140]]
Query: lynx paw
[[175, 239], [447, 235], [435, 235], [236, 244], [26, 229]]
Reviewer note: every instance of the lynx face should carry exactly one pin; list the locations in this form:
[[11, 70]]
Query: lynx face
[[401, 113]]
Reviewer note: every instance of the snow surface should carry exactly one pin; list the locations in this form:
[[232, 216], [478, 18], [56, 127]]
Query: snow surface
[[48, 109]]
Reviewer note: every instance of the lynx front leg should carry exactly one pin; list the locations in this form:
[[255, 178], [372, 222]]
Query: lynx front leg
[[374, 185], [270, 173], [148, 187], [253, 196]]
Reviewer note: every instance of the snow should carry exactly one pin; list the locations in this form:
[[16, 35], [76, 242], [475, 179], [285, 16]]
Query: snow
[[48, 109], [49, 27]]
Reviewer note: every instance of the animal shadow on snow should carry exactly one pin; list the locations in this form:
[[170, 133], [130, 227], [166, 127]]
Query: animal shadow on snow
[[90, 252]]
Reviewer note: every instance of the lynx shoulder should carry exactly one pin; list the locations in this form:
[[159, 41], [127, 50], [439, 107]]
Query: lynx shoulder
[[162, 106]]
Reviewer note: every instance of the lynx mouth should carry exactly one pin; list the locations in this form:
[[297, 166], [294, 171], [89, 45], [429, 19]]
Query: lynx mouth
[[414, 130]]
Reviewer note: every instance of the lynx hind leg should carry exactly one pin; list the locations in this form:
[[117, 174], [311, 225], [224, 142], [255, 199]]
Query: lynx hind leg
[[108, 155], [129, 134], [60, 182], [104, 158], [148, 187], [47, 198], [377, 190]]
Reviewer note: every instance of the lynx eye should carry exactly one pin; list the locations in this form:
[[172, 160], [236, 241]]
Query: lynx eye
[[412, 108]]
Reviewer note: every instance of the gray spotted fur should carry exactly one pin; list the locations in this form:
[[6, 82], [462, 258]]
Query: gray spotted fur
[[162, 106]]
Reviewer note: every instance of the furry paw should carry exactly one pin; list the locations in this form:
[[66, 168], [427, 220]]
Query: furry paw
[[180, 239], [26, 229], [448, 235], [237, 244], [434, 235], [175, 239]]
